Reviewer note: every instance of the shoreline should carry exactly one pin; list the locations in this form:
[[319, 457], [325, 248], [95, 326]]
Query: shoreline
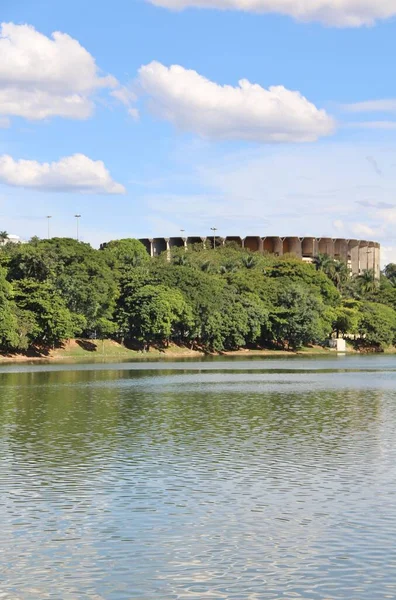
[[108, 350]]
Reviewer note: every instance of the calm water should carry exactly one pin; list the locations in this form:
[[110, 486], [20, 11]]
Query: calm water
[[244, 479]]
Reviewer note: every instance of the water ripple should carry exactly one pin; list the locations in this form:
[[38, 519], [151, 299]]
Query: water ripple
[[242, 485]]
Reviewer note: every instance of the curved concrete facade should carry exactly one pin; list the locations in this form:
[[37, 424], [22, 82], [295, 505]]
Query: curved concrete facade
[[360, 255]]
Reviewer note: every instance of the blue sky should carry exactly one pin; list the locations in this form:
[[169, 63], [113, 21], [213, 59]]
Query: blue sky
[[180, 150]]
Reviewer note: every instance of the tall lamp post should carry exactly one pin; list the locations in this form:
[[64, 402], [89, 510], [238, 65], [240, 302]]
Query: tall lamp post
[[183, 231], [48, 225], [78, 217], [214, 229]]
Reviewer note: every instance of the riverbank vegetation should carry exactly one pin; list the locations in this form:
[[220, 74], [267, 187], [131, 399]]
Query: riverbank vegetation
[[212, 300]]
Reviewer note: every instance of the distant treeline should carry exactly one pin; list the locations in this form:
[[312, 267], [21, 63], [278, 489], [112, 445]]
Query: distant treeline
[[221, 299]]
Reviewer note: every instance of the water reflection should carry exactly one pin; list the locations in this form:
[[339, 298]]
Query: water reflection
[[135, 483]]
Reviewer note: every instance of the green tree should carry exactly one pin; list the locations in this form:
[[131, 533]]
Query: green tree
[[300, 318], [390, 273], [125, 254], [249, 261], [323, 262], [157, 313], [3, 237], [9, 337], [53, 322], [234, 323], [80, 274], [346, 318], [339, 274], [29, 261], [296, 271], [367, 283], [377, 324]]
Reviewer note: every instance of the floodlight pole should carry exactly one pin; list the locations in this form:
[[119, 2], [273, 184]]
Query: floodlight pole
[[214, 229], [48, 225], [78, 217]]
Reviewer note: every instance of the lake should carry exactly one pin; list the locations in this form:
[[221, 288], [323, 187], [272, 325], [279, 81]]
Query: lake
[[242, 479]]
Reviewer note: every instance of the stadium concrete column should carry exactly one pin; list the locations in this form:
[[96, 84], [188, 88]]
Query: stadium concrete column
[[295, 246], [308, 247], [371, 256], [233, 239], [326, 246], [341, 250], [364, 254], [353, 246], [253, 243], [278, 246]]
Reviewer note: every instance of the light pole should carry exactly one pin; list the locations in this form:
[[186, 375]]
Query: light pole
[[214, 229], [77, 223], [48, 225], [182, 231]]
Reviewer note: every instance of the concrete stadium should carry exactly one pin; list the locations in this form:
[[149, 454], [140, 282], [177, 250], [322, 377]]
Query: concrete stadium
[[360, 255]]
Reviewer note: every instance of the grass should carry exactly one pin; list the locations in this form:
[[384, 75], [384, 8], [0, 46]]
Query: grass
[[82, 349]]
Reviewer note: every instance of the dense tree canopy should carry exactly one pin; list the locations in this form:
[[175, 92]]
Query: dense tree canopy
[[218, 299]]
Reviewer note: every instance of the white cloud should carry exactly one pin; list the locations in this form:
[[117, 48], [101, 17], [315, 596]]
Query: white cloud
[[387, 215], [361, 229], [339, 13], [76, 173], [387, 125], [388, 105], [388, 255], [42, 77], [124, 95], [247, 112], [338, 225], [134, 113]]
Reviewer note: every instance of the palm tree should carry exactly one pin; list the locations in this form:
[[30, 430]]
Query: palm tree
[[339, 273], [228, 267], [180, 259], [367, 282], [390, 273], [3, 237], [249, 261], [206, 266], [323, 262]]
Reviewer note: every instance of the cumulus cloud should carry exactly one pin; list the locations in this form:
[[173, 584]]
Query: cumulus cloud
[[246, 112], [43, 77], [76, 173], [339, 13]]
